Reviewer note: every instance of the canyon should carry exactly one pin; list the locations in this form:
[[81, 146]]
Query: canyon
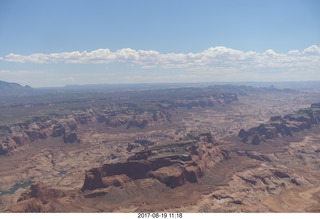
[[218, 148]]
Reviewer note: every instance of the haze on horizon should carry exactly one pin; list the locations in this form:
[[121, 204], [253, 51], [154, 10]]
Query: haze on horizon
[[54, 43]]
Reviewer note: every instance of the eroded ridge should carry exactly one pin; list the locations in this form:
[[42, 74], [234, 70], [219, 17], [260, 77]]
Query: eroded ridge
[[121, 115], [13, 137], [282, 126], [173, 164]]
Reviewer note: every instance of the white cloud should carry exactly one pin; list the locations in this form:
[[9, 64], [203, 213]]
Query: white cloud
[[294, 52], [315, 50], [270, 53], [212, 58]]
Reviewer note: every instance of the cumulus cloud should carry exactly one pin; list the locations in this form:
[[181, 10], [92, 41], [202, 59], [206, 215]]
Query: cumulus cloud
[[211, 58], [312, 50], [294, 52]]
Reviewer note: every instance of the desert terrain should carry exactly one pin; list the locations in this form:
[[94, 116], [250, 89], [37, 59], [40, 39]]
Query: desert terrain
[[219, 148]]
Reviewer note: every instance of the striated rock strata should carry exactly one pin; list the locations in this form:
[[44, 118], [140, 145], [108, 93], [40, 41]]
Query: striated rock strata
[[133, 116], [17, 135], [172, 164], [282, 126], [127, 115]]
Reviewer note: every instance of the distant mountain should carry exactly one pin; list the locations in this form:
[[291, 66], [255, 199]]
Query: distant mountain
[[9, 88]]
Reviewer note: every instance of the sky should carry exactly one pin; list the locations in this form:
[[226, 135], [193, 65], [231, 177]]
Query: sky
[[57, 42]]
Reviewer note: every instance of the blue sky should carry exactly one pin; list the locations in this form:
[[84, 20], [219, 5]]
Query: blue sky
[[53, 43]]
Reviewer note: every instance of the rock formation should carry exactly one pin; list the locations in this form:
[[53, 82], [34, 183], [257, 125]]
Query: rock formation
[[172, 164], [7, 146], [204, 101], [138, 143], [70, 137], [37, 199], [133, 116], [14, 136], [125, 115], [282, 126]]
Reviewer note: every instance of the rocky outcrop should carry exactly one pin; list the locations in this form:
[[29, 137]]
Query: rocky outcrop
[[42, 193], [202, 136], [37, 199], [35, 135], [254, 155], [201, 101], [64, 126], [138, 143], [116, 121], [7, 145], [21, 139], [280, 174], [70, 137], [84, 116], [134, 118], [172, 164], [171, 176], [282, 126], [120, 115], [40, 127], [58, 130], [256, 140]]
